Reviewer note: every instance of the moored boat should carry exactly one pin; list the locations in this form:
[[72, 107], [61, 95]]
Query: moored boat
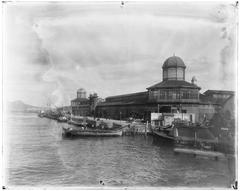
[[62, 119], [82, 131], [163, 124], [165, 133], [196, 140], [77, 121], [41, 114]]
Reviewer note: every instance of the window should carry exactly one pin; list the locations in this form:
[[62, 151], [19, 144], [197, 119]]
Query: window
[[155, 93], [170, 94], [165, 74], [172, 73], [180, 74], [162, 94], [174, 95]]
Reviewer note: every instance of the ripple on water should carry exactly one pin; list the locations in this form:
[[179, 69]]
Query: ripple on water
[[39, 156]]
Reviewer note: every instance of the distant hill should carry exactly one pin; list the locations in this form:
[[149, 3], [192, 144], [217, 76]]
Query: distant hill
[[21, 106]]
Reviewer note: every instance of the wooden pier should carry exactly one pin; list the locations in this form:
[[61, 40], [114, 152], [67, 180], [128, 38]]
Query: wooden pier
[[197, 152]]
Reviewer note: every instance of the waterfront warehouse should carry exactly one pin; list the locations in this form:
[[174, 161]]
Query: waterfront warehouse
[[173, 94]]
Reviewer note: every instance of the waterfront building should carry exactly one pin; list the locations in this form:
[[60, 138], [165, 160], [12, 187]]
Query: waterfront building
[[93, 101], [83, 106], [228, 107], [217, 96], [172, 95], [223, 121], [80, 105]]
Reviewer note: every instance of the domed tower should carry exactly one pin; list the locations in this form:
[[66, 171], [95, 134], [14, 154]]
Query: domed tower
[[173, 90], [173, 69], [81, 93]]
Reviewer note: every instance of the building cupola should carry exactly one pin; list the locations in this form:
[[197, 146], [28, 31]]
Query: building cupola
[[174, 69], [81, 93]]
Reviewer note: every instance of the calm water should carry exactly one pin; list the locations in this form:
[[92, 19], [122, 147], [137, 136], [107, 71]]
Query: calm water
[[37, 155]]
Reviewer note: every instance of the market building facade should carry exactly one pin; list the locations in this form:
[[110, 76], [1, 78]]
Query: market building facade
[[172, 95]]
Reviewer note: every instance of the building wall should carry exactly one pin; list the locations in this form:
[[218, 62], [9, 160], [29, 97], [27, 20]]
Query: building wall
[[83, 110], [80, 107], [201, 111], [174, 95], [122, 112], [229, 107], [142, 96]]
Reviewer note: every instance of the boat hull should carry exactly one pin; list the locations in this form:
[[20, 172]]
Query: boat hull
[[163, 135], [198, 152], [92, 133], [81, 124]]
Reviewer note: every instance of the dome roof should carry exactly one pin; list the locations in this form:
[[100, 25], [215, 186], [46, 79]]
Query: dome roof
[[173, 61], [81, 90]]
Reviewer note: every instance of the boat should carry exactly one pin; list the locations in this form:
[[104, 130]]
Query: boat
[[163, 124], [41, 114], [164, 132], [51, 114], [84, 131], [83, 126], [62, 119], [197, 140], [77, 121]]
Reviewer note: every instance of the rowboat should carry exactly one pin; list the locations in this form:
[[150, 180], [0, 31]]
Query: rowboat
[[83, 131]]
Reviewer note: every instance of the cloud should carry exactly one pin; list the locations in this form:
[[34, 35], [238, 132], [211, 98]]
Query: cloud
[[112, 50]]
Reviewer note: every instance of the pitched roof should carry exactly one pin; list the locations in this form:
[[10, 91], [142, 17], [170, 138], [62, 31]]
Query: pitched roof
[[121, 103], [205, 99], [218, 92], [174, 84], [129, 95]]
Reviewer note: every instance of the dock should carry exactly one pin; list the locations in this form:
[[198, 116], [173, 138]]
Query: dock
[[196, 152]]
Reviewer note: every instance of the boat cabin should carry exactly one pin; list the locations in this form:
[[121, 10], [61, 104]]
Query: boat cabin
[[167, 119]]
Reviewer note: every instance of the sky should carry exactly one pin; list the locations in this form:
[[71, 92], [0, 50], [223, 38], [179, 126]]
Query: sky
[[51, 49]]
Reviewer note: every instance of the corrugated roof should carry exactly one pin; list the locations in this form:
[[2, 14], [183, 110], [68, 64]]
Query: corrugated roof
[[174, 84], [126, 95], [120, 103], [218, 92]]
